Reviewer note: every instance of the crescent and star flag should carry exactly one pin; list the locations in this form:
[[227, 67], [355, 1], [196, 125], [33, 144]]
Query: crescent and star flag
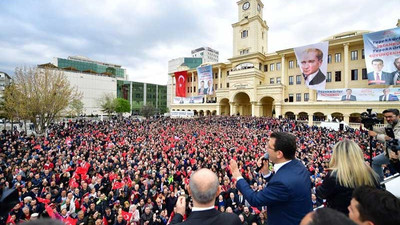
[[127, 216], [180, 80]]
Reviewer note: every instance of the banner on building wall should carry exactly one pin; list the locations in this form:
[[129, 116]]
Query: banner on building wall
[[312, 60], [180, 80], [182, 113], [382, 57], [359, 94], [188, 100], [205, 77]]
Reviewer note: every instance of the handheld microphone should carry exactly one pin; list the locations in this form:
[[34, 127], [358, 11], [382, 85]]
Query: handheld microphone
[[264, 158]]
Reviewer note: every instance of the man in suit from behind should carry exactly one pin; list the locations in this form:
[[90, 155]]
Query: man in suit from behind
[[387, 96], [288, 192], [203, 188], [348, 96], [378, 76], [311, 61]]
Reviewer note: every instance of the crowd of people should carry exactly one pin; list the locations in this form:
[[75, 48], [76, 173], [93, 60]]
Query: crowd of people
[[130, 171]]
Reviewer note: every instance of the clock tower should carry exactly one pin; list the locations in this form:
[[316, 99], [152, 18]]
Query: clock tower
[[250, 33]]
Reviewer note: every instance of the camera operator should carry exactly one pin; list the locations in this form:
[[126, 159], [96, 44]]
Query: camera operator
[[392, 118]]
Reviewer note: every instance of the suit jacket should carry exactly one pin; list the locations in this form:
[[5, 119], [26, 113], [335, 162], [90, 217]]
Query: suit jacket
[[397, 81], [387, 77], [207, 217], [319, 78], [390, 98], [287, 195], [352, 98]]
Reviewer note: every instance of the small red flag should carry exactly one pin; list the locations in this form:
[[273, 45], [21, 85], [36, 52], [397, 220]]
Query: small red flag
[[127, 216]]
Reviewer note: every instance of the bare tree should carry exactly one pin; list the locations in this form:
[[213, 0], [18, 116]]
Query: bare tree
[[41, 94]]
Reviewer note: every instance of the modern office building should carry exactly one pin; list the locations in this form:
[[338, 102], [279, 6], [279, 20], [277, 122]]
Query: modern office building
[[140, 94], [5, 80], [86, 65], [256, 82], [93, 86], [206, 53]]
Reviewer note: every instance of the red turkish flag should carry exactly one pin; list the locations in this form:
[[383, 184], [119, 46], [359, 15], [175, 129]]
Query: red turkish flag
[[117, 185], [127, 216], [105, 222], [180, 80], [70, 221], [43, 200]]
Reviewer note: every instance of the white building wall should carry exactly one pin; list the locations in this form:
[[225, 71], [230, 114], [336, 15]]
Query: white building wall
[[93, 88]]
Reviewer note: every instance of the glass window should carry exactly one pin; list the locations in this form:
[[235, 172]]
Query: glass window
[[363, 55], [290, 97], [278, 66], [298, 79], [329, 77], [265, 67], [329, 58], [298, 97], [227, 85], [338, 76], [338, 57], [364, 74], [290, 80], [271, 80], [272, 67], [354, 55], [306, 97], [291, 64], [354, 74], [227, 73], [278, 80], [245, 33]]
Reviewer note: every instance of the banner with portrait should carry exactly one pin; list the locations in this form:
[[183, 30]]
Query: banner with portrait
[[312, 60], [359, 94], [205, 78], [382, 57], [188, 100]]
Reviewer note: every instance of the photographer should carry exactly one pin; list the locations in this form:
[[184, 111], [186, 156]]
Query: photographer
[[392, 118]]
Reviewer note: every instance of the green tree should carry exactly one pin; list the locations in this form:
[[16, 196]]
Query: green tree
[[75, 107], [108, 103], [122, 105], [39, 95], [147, 111]]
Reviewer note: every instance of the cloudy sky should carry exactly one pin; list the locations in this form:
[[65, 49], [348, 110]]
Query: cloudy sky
[[142, 35]]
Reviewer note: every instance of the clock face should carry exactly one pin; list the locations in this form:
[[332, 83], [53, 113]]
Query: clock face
[[246, 5]]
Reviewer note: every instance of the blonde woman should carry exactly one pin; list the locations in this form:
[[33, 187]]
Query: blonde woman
[[347, 170]]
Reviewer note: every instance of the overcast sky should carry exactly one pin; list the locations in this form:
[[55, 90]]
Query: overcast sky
[[142, 35]]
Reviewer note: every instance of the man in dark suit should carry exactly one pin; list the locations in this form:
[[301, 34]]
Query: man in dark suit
[[204, 188], [287, 194], [311, 61], [396, 73], [378, 76], [387, 96], [348, 96]]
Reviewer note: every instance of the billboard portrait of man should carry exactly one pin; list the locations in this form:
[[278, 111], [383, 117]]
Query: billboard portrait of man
[[348, 96], [313, 65], [378, 76], [396, 73], [387, 96], [382, 56]]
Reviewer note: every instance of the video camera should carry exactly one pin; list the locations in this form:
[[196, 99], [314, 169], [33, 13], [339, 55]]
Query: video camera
[[392, 144], [369, 119]]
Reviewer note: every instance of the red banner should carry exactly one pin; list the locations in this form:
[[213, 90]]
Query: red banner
[[180, 80]]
